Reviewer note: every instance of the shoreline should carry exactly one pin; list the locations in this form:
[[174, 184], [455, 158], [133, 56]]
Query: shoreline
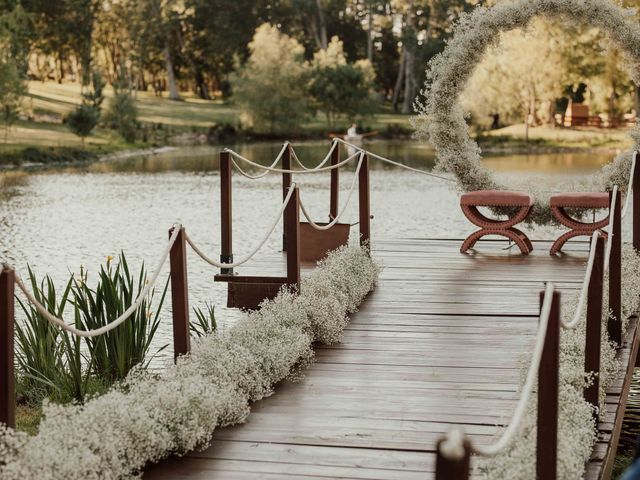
[[89, 156]]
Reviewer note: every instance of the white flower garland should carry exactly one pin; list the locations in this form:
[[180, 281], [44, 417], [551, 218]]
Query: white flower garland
[[441, 119], [150, 417], [576, 427]]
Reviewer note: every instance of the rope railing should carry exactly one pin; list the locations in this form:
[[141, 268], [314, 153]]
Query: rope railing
[[582, 301], [285, 170], [255, 250], [527, 389], [266, 172], [630, 185], [334, 145], [393, 162], [344, 207], [321, 167], [42, 310], [611, 226]]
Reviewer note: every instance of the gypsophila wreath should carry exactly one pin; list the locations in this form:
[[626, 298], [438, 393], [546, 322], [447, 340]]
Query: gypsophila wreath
[[441, 119]]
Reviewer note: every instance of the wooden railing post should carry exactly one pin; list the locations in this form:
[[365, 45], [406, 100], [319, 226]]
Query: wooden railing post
[[335, 183], [292, 229], [614, 323], [226, 253], [453, 468], [179, 295], [364, 201], [635, 186], [286, 183], [547, 437], [7, 374], [594, 326]]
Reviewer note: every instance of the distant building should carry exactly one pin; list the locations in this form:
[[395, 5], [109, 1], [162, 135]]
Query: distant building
[[577, 115]]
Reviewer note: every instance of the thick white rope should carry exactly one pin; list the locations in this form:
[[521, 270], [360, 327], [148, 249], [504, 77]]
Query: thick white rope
[[247, 257], [282, 170], [452, 448], [42, 310], [344, 207], [334, 144], [266, 172], [630, 185], [392, 162], [610, 229], [508, 434], [585, 285]]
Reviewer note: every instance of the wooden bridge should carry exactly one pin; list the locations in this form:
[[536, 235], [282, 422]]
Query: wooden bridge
[[437, 344]]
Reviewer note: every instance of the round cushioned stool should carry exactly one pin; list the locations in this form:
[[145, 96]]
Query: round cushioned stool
[[497, 198], [578, 200]]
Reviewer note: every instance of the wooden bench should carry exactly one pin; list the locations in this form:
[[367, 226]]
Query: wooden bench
[[521, 201], [577, 200]]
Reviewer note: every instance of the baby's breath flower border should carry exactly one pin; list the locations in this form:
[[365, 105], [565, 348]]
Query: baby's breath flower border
[[150, 416], [441, 120], [577, 432]]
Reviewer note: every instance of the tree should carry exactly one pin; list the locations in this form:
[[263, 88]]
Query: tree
[[123, 114], [13, 53], [86, 116], [270, 86], [337, 87]]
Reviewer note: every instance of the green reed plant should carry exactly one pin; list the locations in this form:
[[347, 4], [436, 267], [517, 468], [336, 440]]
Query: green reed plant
[[116, 352], [50, 362], [205, 322]]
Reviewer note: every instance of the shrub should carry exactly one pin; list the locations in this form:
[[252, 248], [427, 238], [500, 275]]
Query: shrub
[[122, 115]]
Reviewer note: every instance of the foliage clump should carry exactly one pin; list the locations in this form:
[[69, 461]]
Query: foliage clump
[[270, 86], [86, 116], [337, 87]]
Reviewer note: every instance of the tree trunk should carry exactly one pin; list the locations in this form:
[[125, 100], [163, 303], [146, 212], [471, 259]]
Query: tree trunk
[[398, 86], [370, 35], [171, 76], [322, 26], [409, 81], [201, 85]]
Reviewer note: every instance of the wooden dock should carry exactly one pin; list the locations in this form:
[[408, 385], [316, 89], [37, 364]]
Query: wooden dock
[[437, 344]]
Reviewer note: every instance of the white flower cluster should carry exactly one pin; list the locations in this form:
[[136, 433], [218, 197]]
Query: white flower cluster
[[441, 119], [149, 416], [576, 426]]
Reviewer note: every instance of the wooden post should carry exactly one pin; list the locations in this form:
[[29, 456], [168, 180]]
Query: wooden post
[[614, 323], [292, 229], [286, 183], [7, 374], [226, 253], [594, 326], [335, 183], [547, 437], [364, 201], [635, 187], [179, 295], [453, 469]]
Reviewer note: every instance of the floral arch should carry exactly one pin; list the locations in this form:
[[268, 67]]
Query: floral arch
[[441, 119]]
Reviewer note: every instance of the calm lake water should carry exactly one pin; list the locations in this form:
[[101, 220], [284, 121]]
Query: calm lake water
[[60, 219]]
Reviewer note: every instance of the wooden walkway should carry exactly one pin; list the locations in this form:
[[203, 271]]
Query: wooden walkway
[[438, 343]]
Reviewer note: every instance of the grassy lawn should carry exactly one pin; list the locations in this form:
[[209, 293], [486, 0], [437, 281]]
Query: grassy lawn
[[582, 137], [49, 102]]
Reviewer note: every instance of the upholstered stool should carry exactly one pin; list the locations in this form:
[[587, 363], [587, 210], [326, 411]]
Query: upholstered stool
[[577, 200], [497, 198]]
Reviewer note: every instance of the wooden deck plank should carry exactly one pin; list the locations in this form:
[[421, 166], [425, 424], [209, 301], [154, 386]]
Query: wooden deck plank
[[438, 343]]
